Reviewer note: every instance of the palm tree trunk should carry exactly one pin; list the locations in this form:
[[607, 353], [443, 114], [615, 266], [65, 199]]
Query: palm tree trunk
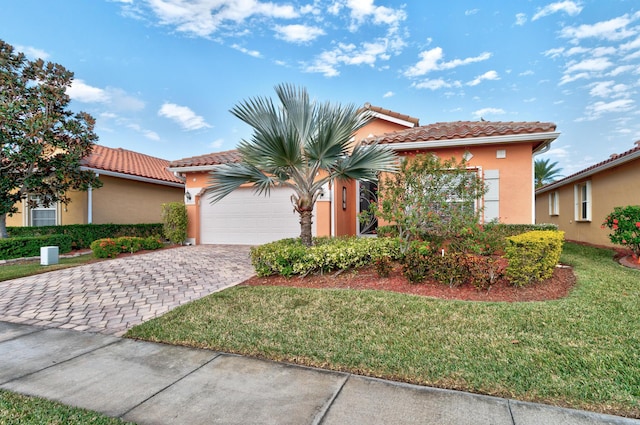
[[305, 227]]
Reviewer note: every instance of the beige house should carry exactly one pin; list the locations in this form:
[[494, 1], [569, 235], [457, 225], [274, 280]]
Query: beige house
[[579, 203], [134, 188]]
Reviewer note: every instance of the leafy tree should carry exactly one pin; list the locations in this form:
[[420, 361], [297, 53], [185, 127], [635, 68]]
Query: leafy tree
[[546, 172], [300, 144], [41, 141], [430, 199], [175, 221]]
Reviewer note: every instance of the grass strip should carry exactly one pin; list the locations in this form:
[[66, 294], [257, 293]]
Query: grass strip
[[18, 269], [21, 409]]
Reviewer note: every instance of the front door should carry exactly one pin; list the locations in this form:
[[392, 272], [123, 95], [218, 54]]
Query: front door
[[368, 194]]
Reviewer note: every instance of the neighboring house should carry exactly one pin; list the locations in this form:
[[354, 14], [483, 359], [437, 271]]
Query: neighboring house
[[579, 203], [502, 152], [134, 188]]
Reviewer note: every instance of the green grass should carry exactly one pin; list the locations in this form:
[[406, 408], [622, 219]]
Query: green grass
[[582, 351], [20, 409], [27, 268]]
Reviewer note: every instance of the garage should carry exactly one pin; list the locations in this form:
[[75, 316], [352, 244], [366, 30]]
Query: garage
[[245, 218]]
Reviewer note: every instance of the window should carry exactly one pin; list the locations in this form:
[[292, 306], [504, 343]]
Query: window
[[582, 198], [42, 215], [554, 203]]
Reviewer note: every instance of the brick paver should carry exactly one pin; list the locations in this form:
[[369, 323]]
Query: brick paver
[[111, 296]]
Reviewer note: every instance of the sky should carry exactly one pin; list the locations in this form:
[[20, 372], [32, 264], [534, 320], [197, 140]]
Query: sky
[[160, 76]]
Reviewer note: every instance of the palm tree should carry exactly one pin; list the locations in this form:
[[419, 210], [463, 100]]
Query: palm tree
[[300, 144], [545, 172]]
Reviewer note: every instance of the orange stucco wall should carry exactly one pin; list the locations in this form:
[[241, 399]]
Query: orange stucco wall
[[610, 188], [119, 201], [516, 178]]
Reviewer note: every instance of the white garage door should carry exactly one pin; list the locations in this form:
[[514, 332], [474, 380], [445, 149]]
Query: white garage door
[[245, 218]]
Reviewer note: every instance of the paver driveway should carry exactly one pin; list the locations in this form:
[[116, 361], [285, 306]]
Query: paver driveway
[[111, 296]]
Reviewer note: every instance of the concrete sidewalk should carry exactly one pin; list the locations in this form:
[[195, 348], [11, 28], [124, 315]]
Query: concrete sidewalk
[[150, 383]]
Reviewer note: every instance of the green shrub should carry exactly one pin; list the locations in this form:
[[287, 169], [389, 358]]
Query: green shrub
[[532, 256], [152, 242], [111, 247], [417, 261], [625, 224], [485, 270], [174, 219], [29, 246], [288, 257], [105, 248], [450, 268], [82, 235]]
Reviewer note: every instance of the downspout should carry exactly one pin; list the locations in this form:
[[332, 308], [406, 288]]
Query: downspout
[[332, 216], [90, 203]]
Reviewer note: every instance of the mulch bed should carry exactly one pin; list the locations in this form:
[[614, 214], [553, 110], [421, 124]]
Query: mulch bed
[[558, 286]]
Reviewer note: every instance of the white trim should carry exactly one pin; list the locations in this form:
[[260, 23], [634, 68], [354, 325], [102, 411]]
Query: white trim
[[588, 173], [579, 200], [90, 204], [132, 177], [194, 168], [392, 119], [475, 141]]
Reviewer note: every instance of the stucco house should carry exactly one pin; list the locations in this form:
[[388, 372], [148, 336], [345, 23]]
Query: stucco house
[[502, 152], [579, 203], [134, 187]]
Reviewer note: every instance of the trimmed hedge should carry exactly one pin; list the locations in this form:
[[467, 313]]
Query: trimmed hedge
[[83, 234], [288, 257], [501, 230], [533, 256], [30, 246]]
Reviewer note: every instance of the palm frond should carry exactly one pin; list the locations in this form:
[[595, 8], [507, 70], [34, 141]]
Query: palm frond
[[366, 161], [229, 177]]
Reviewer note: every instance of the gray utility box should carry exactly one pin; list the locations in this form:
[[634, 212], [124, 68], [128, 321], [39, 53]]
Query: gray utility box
[[48, 255]]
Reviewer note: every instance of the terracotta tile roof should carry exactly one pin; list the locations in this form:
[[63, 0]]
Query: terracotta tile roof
[[464, 130], [128, 162], [615, 158], [370, 107], [216, 158]]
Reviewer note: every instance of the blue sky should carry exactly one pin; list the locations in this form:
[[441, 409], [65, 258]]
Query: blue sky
[[161, 75]]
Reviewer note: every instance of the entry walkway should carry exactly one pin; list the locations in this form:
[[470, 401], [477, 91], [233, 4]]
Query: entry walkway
[[112, 296]]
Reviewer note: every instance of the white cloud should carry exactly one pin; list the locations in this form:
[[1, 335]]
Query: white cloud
[[530, 100], [571, 8], [299, 34], [149, 134], [435, 84], [471, 12], [521, 19], [613, 29], [526, 73], [590, 65], [554, 53], [33, 53], [621, 69], [254, 53], [184, 116], [205, 17], [82, 92], [609, 89], [216, 144], [367, 53], [598, 109], [481, 113], [388, 94], [489, 75], [431, 60], [362, 10]]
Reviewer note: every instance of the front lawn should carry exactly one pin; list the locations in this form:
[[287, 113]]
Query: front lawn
[[582, 351]]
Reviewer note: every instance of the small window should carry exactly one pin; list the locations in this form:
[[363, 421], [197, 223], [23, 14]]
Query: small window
[[582, 195], [42, 215], [554, 203]]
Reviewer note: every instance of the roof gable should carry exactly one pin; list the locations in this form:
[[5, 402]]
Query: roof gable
[[130, 163], [391, 116], [613, 161]]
